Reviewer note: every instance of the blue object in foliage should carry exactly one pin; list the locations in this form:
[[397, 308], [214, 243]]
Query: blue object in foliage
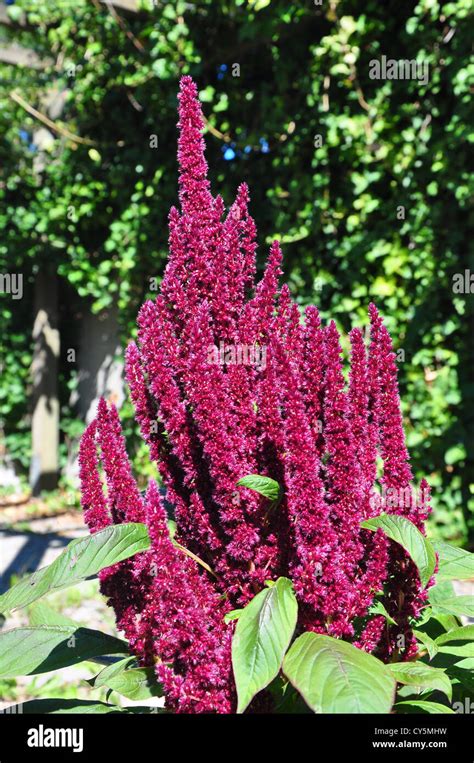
[[229, 154]]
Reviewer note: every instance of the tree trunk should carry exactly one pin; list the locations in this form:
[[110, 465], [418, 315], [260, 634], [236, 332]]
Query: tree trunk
[[45, 417]]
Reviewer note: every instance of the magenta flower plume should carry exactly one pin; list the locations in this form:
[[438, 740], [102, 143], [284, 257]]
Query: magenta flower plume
[[229, 379]]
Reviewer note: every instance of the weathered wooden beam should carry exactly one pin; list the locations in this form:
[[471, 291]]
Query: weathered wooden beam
[[126, 5], [15, 54]]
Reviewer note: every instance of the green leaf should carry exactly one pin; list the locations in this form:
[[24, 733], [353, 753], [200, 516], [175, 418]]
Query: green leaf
[[466, 664], [110, 671], [263, 485], [61, 706], [404, 532], [454, 563], [133, 683], [426, 640], [378, 608], [41, 613], [465, 633], [456, 605], [31, 650], [441, 591], [414, 706], [82, 706], [421, 676], [333, 676], [234, 614], [82, 558], [262, 635], [462, 650]]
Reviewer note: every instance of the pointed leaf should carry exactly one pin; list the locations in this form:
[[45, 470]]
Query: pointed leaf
[[404, 532], [378, 608], [454, 563], [135, 683], [31, 650], [426, 640], [131, 682], [414, 706], [333, 676], [465, 633], [266, 486], [262, 635], [455, 605], [421, 676], [82, 706], [82, 558]]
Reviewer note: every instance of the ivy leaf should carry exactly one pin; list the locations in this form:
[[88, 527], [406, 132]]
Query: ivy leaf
[[333, 676], [404, 532], [262, 635]]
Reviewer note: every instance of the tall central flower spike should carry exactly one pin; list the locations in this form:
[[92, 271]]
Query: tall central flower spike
[[227, 380]]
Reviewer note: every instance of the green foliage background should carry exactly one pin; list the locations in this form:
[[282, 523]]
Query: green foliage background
[[97, 209]]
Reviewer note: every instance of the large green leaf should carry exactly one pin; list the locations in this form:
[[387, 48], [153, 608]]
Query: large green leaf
[[421, 676], [465, 633], [455, 605], [404, 532], [335, 677], [262, 635], [466, 664], [454, 563], [133, 683], [429, 643], [266, 486], [414, 706], [31, 650], [378, 608], [82, 558], [52, 706], [41, 613]]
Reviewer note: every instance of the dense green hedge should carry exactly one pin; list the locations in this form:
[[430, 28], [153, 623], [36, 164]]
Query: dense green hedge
[[99, 209]]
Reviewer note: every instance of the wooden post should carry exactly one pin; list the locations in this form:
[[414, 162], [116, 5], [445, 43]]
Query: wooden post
[[45, 414]]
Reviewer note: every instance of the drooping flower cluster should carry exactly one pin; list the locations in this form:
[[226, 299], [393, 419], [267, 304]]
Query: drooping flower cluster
[[227, 381]]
